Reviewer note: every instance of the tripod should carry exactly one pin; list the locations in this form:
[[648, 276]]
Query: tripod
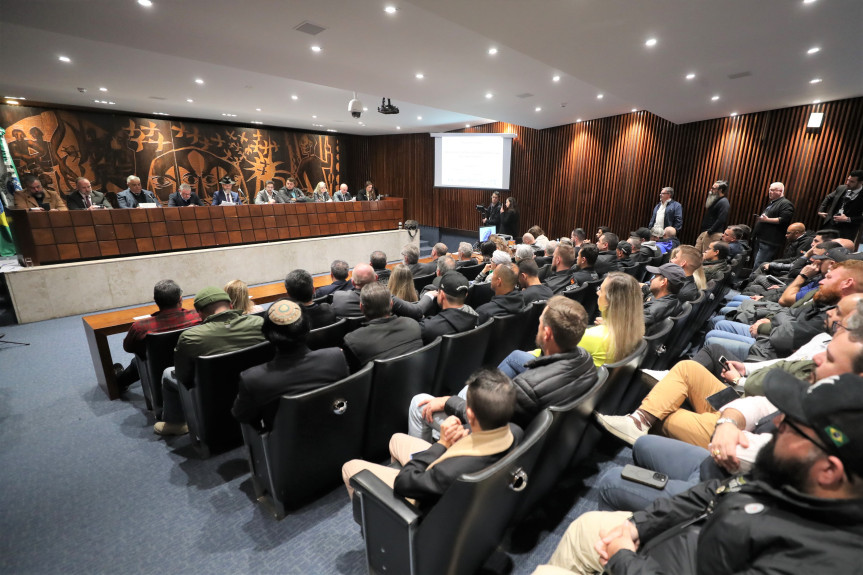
[[3, 340]]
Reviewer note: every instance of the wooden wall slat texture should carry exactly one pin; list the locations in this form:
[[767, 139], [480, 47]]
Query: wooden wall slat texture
[[610, 171]]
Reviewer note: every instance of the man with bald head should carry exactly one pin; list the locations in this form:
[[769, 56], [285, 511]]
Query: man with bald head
[[135, 194], [346, 303], [770, 225], [86, 198], [506, 299]]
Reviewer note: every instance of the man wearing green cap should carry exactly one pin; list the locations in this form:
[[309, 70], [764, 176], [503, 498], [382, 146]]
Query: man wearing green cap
[[222, 330]]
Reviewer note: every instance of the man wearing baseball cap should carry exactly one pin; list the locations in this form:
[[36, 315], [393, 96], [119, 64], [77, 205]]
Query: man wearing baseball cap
[[222, 330], [454, 316], [801, 511], [664, 286]]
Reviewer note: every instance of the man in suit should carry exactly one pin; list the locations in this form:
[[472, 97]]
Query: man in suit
[[295, 368], [343, 195], [33, 196], [842, 209], [225, 194], [384, 335], [184, 197], [339, 274], [268, 195], [86, 198], [666, 213], [134, 195], [346, 302]]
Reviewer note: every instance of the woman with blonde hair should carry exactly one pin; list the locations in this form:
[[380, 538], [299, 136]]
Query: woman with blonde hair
[[401, 284], [321, 194], [622, 327], [238, 291]]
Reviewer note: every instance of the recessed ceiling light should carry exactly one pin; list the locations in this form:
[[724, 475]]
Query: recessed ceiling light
[[257, 109], [15, 97], [816, 101], [365, 109], [555, 78], [635, 109], [419, 117], [103, 89], [492, 51], [488, 95], [12, 102], [398, 127], [651, 42], [161, 114], [331, 130], [808, 1], [813, 50], [537, 109], [111, 103], [690, 76], [189, 100], [256, 122], [714, 98], [314, 117], [198, 81], [316, 48], [600, 96], [390, 9], [733, 114], [420, 76], [467, 125], [815, 81], [360, 123], [229, 115], [578, 121], [65, 59], [294, 97], [145, 3]]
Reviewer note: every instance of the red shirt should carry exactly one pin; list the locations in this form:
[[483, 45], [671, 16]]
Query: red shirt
[[163, 320]]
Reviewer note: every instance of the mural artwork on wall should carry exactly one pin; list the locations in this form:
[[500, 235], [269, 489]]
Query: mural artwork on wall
[[59, 146]]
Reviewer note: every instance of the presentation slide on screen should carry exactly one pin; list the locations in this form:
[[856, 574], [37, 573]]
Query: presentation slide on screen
[[473, 160]]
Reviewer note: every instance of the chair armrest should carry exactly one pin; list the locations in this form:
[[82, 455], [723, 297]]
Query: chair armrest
[[376, 493]]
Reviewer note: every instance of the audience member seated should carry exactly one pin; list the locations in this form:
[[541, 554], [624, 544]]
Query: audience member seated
[[86, 198], [498, 258], [584, 269], [690, 260], [171, 315], [668, 241], [715, 261], [465, 255], [506, 300], [223, 330], [528, 281], [547, 255], [607, 260], [797, 242], [643, 249], [383, 335], [321, 194], [378, 261], [240, 300], [559, 276], [624, 256], [135, 195], [428, 470], [346, 303], [663, 301], [184, 197], [539, 238], [799, 511], [523, 252], [562, 372], [401, 284], [339, 273], [443, 265], [454, 316], [295, 368], [300, 288], [578, 237], [732, 236], [621, 327], [601, 230], [34, 196], [411, 254]]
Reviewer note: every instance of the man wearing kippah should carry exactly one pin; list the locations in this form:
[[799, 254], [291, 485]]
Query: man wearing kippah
[[222, 330]]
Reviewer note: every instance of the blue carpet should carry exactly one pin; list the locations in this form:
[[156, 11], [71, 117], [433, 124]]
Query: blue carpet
[[88, 488]]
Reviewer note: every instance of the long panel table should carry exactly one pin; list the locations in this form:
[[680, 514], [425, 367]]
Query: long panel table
[[59, 237]]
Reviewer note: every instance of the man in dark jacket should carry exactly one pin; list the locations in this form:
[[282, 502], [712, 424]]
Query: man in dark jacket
[[560, 274], [800, 512], [384, 335], [346, 303], [607, 259], [428, 470], [584, 269], [506, 299], [454, 316], [295, 368], [301, 288], [842, 209], [690, 260], [339, 274], [561, 373], [770, 225], [797, 242], [663, 301], [528, 280], [378, 261], [715, 261], [715, 215], [184, 197]]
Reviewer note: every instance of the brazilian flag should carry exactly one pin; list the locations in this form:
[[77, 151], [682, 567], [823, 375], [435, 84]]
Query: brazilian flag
[[7, 246]]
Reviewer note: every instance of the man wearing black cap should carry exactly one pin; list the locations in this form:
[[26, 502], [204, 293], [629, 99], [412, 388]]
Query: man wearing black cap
[[225, 194], [800, 512], [663, 301], [222, 330], [454, 316], [643, 250], [294, 369]]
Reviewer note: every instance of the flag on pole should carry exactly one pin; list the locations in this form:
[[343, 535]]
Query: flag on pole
[[7, 246]]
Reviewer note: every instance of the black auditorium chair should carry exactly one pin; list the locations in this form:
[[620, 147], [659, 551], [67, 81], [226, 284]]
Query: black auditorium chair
[[460, 355], [506, 336], [528, 340], [207, 400], [462, 529], [684, 313], [422, 281], [328, 335], [313, 435], [394, 383], [470, 272], [621, 374], [656, 339], [478, 294], [160, 355], [353, 322]]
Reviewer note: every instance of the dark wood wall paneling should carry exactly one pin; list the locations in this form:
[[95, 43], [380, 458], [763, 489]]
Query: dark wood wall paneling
[[610, 171]]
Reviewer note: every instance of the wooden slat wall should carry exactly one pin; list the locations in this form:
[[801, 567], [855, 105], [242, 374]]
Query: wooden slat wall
[[610, 171]]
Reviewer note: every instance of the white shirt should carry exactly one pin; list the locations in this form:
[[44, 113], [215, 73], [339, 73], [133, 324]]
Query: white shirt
[[659, 224]]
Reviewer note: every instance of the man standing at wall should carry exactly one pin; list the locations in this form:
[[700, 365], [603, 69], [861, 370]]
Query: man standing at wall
[[716, 216], [666, 213], [842, 209], [771, 224]]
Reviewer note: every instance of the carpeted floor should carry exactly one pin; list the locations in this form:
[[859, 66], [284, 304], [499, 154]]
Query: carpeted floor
[[88, 488]]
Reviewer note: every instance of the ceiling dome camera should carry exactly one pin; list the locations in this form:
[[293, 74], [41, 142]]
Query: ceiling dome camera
[[355, 107]]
